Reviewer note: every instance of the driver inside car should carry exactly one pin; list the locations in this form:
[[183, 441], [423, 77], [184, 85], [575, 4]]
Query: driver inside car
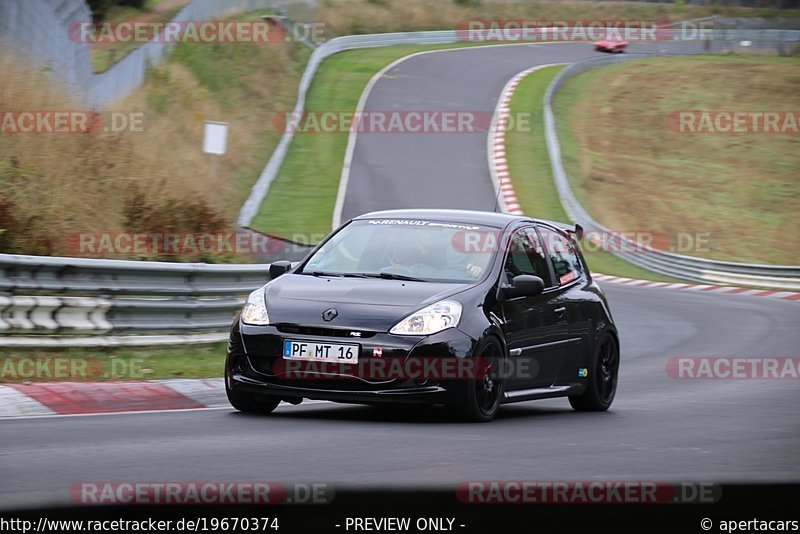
[[416, 258]]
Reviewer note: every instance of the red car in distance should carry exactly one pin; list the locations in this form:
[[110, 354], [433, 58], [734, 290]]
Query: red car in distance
[[612, 45]]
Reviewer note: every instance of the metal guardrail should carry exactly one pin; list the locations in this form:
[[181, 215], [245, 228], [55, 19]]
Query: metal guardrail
[[662, 262], [86, 302], [44, 30]]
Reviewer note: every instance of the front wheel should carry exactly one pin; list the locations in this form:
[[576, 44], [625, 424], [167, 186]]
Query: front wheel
[[485, 390], [602, 385], [247, 403], [244, 402]]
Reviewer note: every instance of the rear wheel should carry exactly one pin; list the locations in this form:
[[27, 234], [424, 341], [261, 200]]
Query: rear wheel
[[484, 392], [602, 385]]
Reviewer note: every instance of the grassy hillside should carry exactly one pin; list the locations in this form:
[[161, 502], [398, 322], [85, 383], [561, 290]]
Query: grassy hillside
[[635, 172]]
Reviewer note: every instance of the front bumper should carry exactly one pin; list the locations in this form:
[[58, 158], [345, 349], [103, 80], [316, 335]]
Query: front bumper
[[258, 366], [420, 394]]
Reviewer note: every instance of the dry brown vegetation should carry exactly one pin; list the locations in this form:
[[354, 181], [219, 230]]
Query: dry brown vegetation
[[345, 17], [53, 186]]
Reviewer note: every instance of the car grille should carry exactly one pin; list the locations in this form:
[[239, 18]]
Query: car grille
[[264, 366], [321, 331]]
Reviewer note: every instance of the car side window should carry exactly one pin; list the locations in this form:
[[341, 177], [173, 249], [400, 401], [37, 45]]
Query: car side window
[[526, 256], [561, 250]]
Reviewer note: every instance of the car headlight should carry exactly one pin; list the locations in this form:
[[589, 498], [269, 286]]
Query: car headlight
[[430, 320], [255, 309]]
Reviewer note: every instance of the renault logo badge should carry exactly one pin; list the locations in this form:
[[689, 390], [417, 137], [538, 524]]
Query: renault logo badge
[[330, 314]]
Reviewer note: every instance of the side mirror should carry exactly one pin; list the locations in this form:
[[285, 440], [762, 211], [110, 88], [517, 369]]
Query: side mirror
[[279, 267], [523, 285]]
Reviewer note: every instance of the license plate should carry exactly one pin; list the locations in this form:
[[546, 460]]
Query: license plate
[[320, 352]]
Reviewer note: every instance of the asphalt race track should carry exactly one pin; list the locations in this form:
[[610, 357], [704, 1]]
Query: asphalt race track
[[659, 428], [403, 170]]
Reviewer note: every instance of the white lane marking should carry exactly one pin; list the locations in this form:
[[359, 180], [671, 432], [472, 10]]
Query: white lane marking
[[344, 177], [137, 412], [98, 414]]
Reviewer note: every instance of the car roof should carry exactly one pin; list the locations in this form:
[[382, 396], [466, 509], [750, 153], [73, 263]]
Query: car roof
[[484, 218]]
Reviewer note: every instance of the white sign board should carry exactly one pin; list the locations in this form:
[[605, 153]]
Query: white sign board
[[215, 139]]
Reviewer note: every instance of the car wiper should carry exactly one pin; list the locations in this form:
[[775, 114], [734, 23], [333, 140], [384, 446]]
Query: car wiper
[[392, 276], [385, 276], [321, 273]]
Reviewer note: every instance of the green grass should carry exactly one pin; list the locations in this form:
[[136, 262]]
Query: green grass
[[302, 196], [189, 361], [739, 190], [529, 167]]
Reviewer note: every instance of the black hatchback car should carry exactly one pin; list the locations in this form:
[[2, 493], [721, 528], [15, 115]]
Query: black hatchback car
[[461, 308]]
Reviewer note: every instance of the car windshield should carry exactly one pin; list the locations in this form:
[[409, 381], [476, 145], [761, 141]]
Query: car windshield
[[407, 249]]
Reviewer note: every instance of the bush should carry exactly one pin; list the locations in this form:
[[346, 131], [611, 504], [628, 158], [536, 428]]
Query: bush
[[100, 7], [152, 213]]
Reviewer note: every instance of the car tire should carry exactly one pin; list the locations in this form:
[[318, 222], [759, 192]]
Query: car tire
[[241, 401], [602, 384], [248, 403], [482, 397]]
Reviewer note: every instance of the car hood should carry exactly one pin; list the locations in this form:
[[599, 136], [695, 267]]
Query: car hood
[[361, 303]]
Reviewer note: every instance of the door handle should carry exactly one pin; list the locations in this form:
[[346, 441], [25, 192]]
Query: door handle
[[560, 311]]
